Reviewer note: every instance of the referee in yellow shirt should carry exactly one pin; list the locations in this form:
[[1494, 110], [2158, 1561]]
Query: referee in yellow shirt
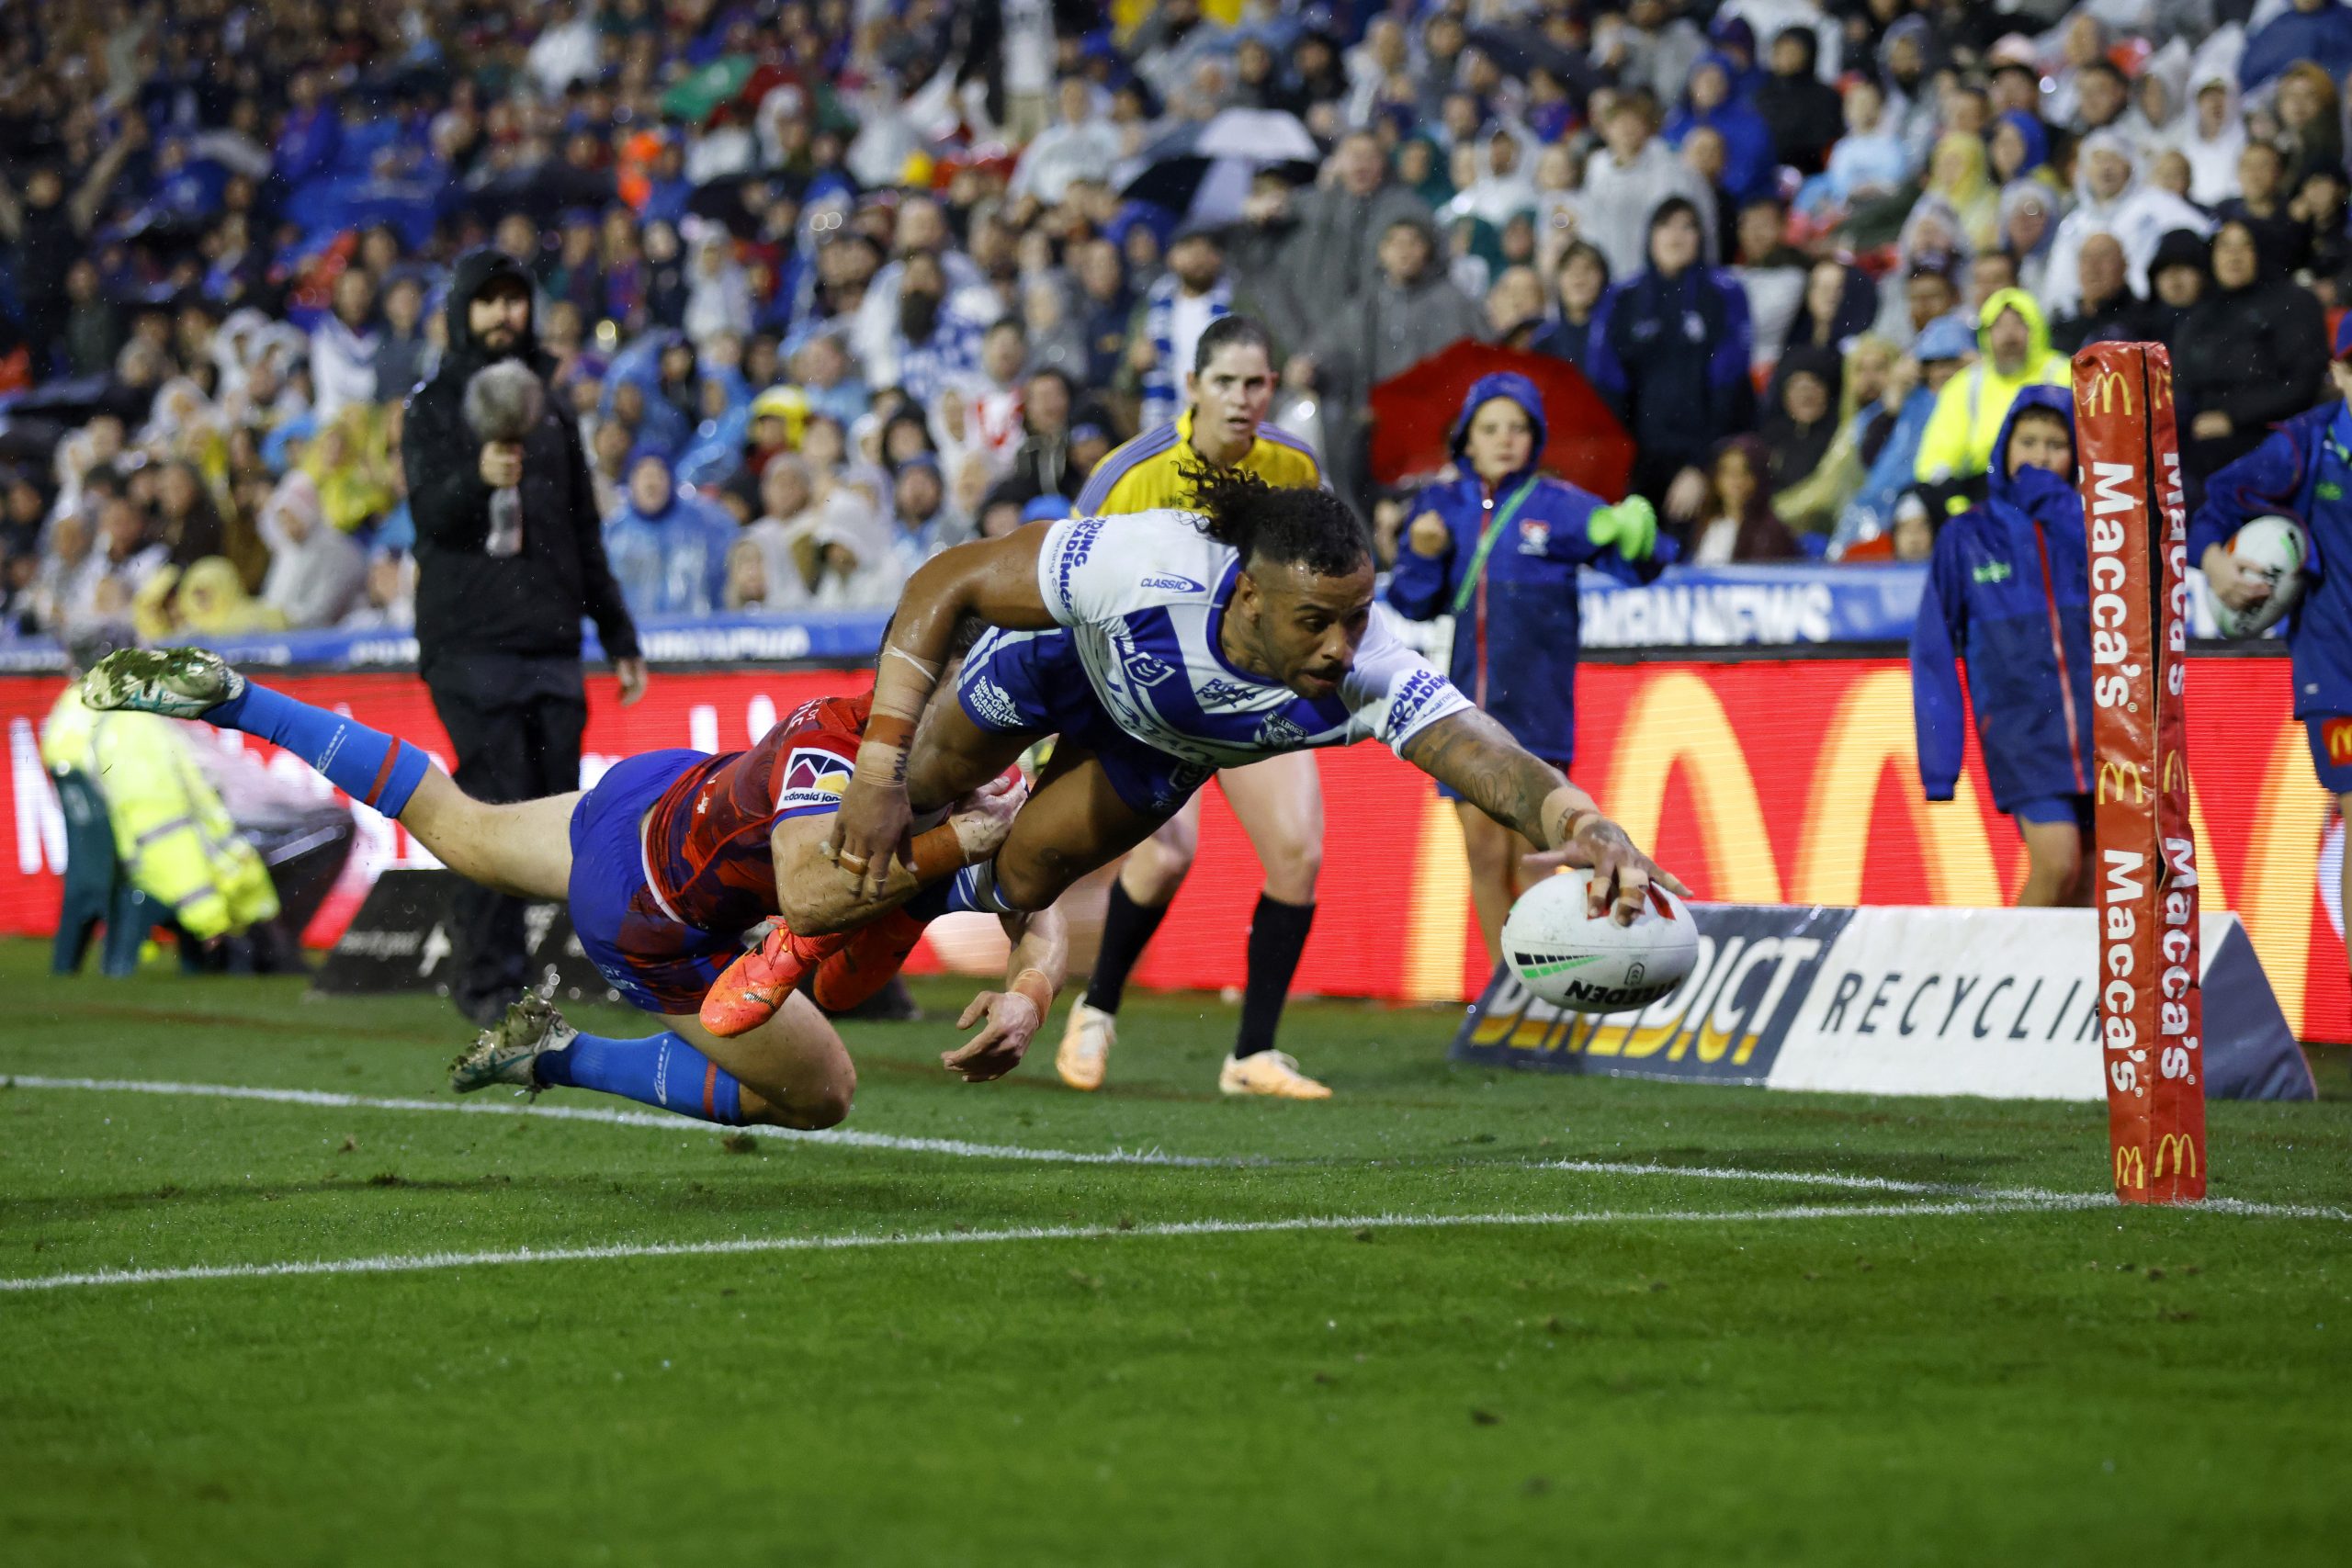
[[1278, 801]]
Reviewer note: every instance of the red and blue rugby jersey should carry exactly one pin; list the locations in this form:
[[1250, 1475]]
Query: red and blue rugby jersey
[[706, 853]]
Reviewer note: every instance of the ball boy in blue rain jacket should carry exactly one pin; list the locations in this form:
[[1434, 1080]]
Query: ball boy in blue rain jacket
[[1498, 547], [2009, 590]]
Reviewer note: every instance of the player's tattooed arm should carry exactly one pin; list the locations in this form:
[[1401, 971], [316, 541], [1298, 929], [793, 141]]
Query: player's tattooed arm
[[1477, 757], [992, 579], [1471, 753]]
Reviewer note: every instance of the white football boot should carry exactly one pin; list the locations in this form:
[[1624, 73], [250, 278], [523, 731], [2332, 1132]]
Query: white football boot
[[1085, 1053], [509, 1051], [1271, 1072]]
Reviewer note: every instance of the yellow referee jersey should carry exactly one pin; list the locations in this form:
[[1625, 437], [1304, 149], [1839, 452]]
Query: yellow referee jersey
[[1147, 473]]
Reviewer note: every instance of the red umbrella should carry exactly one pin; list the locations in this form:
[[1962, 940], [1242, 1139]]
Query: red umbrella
[[1413, 415]]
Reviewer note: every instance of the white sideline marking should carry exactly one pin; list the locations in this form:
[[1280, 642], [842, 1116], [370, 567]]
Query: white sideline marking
[[1924, 1188], [411, 1263], [841, 1136], [2031, 1196]]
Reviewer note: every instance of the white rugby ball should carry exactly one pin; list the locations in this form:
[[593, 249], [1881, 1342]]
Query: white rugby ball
[[2274, 549], [1581, 964]]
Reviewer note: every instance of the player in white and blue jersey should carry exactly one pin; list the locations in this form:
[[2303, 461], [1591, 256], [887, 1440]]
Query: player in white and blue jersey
[[1160, 646]]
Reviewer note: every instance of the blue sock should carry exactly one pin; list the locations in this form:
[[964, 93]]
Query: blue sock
[[662, 1069], [371, 767]]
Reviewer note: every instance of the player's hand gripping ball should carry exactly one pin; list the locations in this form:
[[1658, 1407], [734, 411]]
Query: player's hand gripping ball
[[1579, 964]]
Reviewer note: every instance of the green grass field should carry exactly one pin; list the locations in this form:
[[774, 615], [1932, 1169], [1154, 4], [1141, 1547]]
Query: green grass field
[[1955, 1354]]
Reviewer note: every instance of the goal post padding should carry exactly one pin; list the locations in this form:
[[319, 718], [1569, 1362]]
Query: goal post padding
[[2144, 863]]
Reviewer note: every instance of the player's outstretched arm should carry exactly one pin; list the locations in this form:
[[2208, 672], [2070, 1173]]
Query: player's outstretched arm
[[1477, 757], [1040, 961], [994, 580]]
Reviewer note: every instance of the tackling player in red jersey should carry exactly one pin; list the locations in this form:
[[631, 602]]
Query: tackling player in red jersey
[[668, 863]]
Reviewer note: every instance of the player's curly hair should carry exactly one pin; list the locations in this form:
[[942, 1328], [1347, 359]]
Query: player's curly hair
[[1282, 526]]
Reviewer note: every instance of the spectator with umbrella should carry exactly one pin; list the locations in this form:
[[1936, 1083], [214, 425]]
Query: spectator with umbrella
[[1201, 172], [1497, 546]]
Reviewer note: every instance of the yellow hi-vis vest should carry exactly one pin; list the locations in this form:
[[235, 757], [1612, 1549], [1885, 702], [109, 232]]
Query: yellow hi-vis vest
[[174, 839]]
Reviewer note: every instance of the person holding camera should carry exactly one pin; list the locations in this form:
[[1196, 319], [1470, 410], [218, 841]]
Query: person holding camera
[[510, 556]]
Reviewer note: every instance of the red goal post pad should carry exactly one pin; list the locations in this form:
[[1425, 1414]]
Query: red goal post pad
[[2144, 860]]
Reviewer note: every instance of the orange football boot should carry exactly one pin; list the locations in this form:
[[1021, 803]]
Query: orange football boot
[[755, 984]]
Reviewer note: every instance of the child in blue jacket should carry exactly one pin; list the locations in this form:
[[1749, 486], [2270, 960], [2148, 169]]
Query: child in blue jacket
[[2008, 589], [1498, 547], [2303, 469]]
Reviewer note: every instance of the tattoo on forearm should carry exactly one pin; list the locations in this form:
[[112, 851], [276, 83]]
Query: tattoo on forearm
[[1477, 756]]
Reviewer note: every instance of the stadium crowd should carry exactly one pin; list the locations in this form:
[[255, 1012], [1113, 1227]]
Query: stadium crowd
[[829, 285]]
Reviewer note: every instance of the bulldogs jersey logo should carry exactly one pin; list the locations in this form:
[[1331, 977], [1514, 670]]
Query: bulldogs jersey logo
[[1146, 670], [1534, 538], [1279, 733]]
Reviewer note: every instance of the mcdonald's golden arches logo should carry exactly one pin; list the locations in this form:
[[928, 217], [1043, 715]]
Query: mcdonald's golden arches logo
[[2131, 1167], [2338, 734], [2115, 777], [2183, 1150], [2103, 391], [2176, 772]]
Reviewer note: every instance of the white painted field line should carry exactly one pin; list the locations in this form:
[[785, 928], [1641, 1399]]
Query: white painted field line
[[2038, 1195], [844, 1138], [961, 1148], [420, 1262]]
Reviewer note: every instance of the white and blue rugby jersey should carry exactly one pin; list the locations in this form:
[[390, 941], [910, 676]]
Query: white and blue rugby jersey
[[1144, 595]]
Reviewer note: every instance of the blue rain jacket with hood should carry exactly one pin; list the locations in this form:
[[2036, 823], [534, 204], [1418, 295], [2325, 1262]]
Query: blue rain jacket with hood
[[2303, 470], [1515, 642], [1750, 169], [2009, 590], [671, 560]]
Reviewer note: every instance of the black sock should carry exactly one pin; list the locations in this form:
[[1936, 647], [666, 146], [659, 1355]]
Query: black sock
[[1126, 930], [1277, 938]]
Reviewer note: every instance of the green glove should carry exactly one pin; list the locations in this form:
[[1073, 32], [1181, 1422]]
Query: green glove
[[1631, 526]]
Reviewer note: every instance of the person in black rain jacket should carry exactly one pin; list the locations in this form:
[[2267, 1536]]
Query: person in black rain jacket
[[498, 616]]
